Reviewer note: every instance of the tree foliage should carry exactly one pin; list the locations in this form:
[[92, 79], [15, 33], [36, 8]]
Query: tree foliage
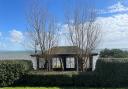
[[113, 53]]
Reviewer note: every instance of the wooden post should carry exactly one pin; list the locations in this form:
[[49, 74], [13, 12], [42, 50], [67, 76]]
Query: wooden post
[[49, 64], [91, 62], [77, 64], [37, 58], [62, 64]]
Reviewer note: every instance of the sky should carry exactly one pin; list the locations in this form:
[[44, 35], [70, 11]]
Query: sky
[[113, 18]]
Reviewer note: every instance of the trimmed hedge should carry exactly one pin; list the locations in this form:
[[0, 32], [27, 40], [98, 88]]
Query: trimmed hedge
[[12, 70], [112, 72], [108, 73], [47, 80], [86, 79]]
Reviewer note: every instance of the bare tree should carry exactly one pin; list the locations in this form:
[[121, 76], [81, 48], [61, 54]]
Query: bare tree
[[84, 32], [42, 32]]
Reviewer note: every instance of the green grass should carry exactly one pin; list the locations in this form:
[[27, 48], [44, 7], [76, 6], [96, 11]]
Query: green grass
[[56, 88], [41, 72]]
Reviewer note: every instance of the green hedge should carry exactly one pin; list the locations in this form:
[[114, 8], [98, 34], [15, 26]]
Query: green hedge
[[108, 73], [12, 70], [86, 79], [112, 72], [45, 80]]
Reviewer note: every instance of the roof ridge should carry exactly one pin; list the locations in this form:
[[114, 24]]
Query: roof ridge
[[63, 46]]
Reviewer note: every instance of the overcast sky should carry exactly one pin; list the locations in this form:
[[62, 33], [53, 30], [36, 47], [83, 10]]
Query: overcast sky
[[113, 18]]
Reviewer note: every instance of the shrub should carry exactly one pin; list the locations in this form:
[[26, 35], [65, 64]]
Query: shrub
[[12, 70], [112, 72], [113, 53], [86, 79], [46, 80], [108, 73], [26, 63], [60, 79]]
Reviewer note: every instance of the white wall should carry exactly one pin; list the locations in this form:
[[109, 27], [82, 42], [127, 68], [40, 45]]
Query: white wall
[[95, 58], [34, 61]]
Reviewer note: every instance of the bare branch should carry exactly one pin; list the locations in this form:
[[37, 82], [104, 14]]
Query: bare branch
[[84, 32]]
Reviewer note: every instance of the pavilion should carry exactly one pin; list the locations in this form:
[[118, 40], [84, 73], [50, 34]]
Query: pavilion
[[62, 58]]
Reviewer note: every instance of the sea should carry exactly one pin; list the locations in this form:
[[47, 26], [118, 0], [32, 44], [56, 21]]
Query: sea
[[15, 54]]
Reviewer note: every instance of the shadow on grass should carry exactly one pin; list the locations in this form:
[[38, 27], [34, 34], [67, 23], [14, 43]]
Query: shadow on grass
[[56, 88], [77, 88]]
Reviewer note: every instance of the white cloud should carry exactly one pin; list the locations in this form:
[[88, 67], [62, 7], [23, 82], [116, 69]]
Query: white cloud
[[115, 30], [16, 36], [116, 8]]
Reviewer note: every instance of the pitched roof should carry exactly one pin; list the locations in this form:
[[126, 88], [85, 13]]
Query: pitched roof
[[62, 50], [65, 50]]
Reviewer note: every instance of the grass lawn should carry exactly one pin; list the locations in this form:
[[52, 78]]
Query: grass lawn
[[56, 88]]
